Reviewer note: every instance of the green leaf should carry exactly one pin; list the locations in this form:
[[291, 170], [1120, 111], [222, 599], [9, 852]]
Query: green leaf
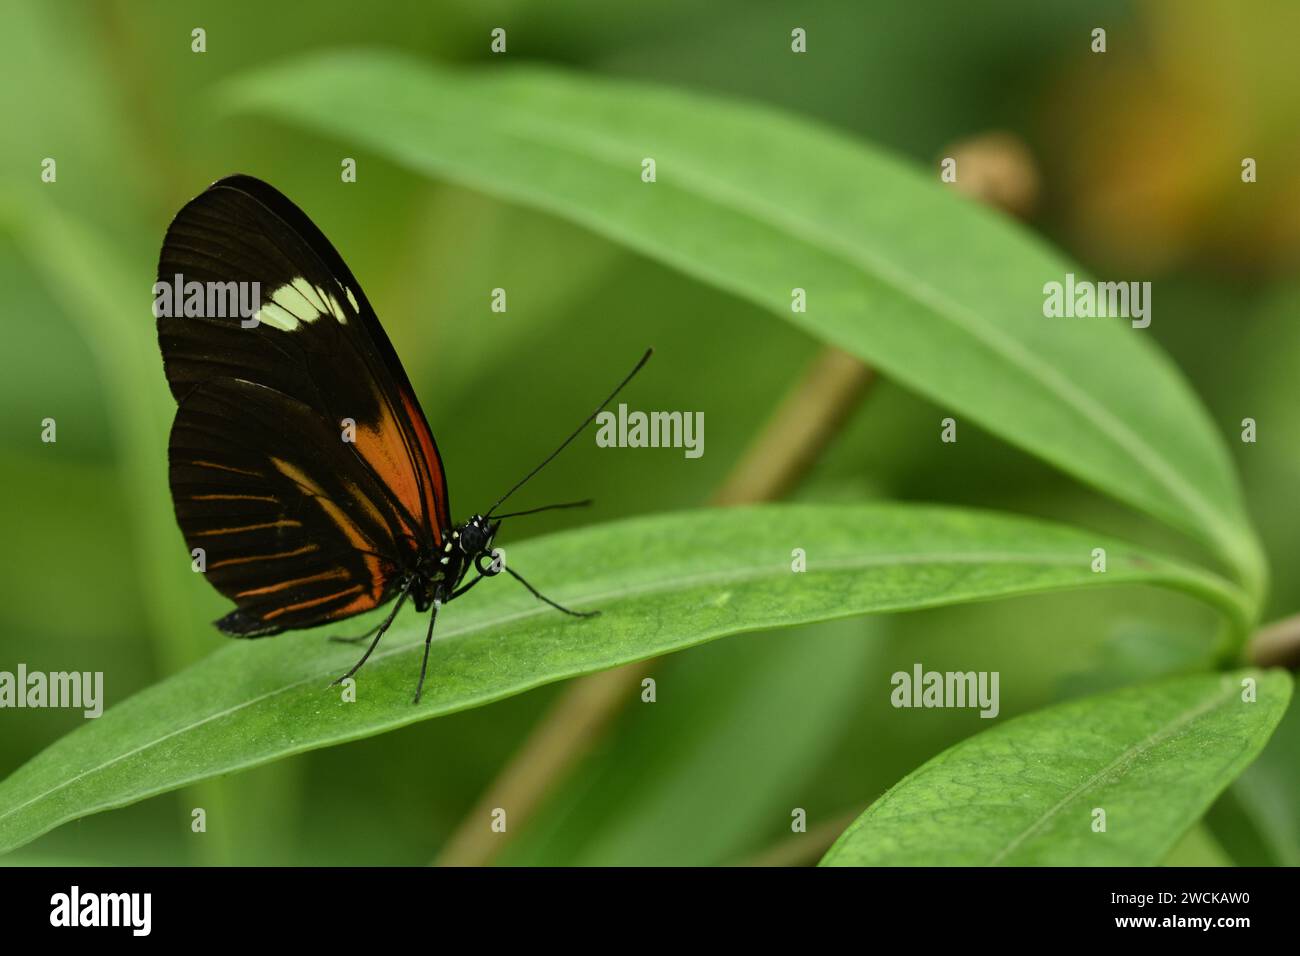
[[1153, 757], [939, 293], [663, 583]]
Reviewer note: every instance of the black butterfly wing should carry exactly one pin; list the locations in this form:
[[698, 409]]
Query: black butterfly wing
[[317, 357]]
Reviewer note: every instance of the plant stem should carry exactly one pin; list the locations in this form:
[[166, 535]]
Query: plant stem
[[1277, 644], [802, 426], [801, 849], [811, 414]]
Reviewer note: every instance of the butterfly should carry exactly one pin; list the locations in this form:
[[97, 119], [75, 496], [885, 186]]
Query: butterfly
[[302, 469]]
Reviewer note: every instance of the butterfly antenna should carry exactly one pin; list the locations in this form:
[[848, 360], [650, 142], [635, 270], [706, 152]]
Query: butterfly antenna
[[532, 511], [576, 432]]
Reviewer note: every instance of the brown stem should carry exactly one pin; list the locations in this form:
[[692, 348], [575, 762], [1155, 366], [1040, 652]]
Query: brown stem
[[809, 416], [801, 849], [1277, 644], [804, 423]]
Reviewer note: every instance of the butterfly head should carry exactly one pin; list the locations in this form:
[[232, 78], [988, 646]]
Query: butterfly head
[[474, 537]]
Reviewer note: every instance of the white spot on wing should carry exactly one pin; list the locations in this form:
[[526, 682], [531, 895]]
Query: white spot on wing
[[298, 302], [310, 293], [291, 299], [273, 315]]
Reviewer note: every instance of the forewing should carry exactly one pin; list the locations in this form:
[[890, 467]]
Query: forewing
[[316, 339]]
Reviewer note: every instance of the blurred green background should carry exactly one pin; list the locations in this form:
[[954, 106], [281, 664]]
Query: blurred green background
[[1122, 160]]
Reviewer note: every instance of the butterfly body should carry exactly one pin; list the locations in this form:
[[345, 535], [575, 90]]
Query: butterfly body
[[433, 576]]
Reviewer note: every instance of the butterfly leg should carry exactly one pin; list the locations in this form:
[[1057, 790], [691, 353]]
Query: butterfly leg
[[542, 597], [465, 587], [353, 640], [433, 617], [382, 628], [495, 563]]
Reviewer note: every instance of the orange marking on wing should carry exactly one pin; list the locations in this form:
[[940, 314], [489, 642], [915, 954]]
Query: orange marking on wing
[[305, 549], [362, 602], [331, 575], [286, 523], [340, 518], [232, 468], [384, 449], [436, 492], [366, 503], [312, 603]]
